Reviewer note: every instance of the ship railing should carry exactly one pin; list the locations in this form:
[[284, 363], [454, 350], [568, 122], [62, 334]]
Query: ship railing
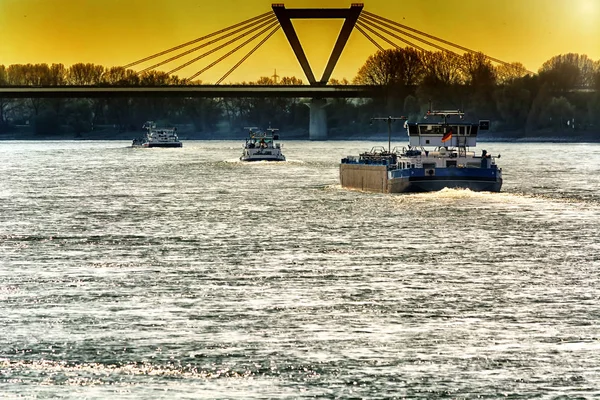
[[399, 150], [350, 160], [384, 160], [378, 159], [378, 150]]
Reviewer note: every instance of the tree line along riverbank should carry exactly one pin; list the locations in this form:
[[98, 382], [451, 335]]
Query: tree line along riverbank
[[561, 100]]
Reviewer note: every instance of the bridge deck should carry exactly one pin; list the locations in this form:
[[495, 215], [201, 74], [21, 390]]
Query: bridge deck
[[329, 91]]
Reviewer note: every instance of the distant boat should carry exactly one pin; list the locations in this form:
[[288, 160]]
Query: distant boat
[[157, 137], [261, 146], [438, 156]]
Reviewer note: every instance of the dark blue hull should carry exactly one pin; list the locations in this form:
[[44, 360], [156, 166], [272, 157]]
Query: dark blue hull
[[431, 180], [175, 144], [263, 159], [433, 185], [258, 158]]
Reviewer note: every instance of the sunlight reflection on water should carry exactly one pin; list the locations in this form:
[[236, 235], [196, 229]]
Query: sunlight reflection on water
[[146, 273]]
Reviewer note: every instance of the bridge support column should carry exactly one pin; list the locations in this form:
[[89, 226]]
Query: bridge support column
[[317, 126]]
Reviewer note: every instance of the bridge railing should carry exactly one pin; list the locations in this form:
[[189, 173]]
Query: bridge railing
[[310, 91]]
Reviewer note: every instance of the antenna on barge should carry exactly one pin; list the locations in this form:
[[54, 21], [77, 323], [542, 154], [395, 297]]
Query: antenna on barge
[[444, 113], [389, 120]]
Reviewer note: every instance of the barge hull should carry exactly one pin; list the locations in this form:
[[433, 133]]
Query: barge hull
[[374, 178], [370, 178]]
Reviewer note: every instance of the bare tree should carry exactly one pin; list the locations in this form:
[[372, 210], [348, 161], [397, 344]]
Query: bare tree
[[290, 80], [597, 75], [120, 76], [264, 80], [334, 81], [3, 76], [85, 74], [442, 68], [57, 75], [158, 78], [507, 73], [28, 74], [478, 70], [391, 67], [568, 71]]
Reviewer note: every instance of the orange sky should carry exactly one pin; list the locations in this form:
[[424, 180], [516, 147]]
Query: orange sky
[[116, 32]]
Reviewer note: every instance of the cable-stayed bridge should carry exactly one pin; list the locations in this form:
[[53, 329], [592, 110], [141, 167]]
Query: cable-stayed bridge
[[242, 40], [379, 30]]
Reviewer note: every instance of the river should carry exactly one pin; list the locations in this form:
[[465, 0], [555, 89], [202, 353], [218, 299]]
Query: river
[[184, 273]]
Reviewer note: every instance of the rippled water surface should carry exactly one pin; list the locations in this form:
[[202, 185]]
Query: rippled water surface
[[183, 273]]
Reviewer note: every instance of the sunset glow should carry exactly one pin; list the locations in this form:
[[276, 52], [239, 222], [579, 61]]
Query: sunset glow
[[113, 32], [589, 8]]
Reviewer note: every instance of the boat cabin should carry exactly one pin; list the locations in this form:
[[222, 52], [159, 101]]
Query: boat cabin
[[444, 134], [436, 135], [262, 140]]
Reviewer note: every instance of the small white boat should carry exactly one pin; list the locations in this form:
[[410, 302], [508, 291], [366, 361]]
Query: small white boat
[[261, 146], [157, 137]]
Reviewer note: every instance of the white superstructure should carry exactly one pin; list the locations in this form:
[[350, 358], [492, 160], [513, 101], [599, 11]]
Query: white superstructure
[[261, 146]]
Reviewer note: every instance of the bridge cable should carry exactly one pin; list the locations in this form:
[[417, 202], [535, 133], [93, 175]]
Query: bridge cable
[[196, 40], [268, 19], [233, 51], [273, 23], [380, 47], [374, 16], [168, 60], [248, 54], [389, 33], [374, 23]]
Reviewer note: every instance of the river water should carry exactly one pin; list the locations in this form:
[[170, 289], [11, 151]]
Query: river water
[[184, 273]]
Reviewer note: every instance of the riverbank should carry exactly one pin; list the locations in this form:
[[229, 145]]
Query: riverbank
[[111, 134], [185, 132]]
